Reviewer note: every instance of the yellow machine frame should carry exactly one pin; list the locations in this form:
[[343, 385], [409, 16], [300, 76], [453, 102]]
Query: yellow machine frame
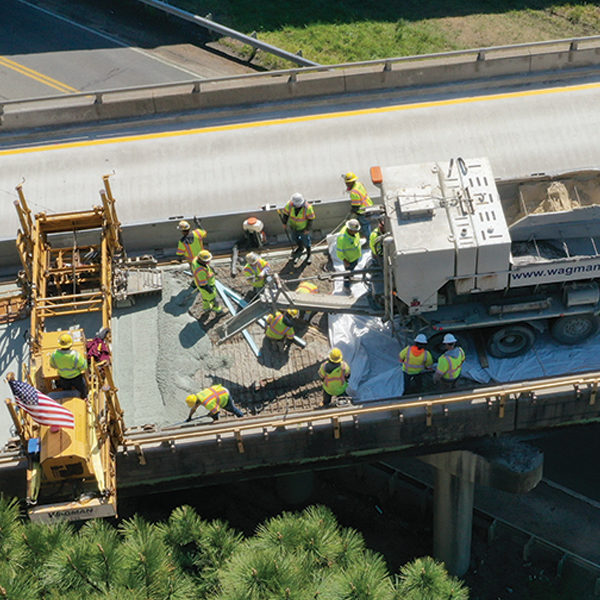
[[59, 282]]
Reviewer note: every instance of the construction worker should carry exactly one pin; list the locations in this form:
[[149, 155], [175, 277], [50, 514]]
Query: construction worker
[[191, 242], [335, 373], [213, 398], [71, 366], [298, 215], [280, 328], [415, 359], [449, 364], [307, 287], [348, 248], [359, 200], [256, 270], [204, 278], [376, 242]]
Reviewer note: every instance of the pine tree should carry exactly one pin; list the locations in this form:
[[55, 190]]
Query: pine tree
[[426, 579]]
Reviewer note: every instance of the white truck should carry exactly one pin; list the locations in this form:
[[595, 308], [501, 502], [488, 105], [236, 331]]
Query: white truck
[[508, 258]]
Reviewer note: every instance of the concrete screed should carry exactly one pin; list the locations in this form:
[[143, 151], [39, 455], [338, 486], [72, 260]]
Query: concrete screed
[[163, 351]]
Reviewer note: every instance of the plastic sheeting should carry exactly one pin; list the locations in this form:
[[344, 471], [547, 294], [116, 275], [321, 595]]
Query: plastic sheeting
[[372, 351]]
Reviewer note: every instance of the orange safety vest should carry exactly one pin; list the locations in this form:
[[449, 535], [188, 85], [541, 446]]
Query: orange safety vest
[[306, 287], [298, 218], [359, 197], [336, 381], [449, 366], [213, 398], [414, 360], [277, 328]]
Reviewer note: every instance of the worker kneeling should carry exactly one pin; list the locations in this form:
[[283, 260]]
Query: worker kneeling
[[280, 328], [71, 366], [335, 373], [213, 398], [256, 270], [204, 278], [415, 359], [449, 364]]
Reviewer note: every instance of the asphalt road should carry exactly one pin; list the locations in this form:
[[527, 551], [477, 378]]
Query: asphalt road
[[44, 51]]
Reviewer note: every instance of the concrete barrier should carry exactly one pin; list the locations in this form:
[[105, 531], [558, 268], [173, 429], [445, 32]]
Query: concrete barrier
[[555, 60]]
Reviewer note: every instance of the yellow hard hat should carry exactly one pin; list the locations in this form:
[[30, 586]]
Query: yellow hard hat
[[191, 400], [204, 256], [349, 177], [65, 340], [183, 225], [293, 312], [336, 355]]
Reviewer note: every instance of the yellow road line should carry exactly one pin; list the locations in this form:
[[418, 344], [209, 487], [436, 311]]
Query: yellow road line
[[308, 118], [32, 74]]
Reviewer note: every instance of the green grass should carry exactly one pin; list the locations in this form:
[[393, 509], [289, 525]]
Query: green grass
[[356, 30]]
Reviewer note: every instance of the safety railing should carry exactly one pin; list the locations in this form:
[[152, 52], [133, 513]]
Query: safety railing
[[570, 45]]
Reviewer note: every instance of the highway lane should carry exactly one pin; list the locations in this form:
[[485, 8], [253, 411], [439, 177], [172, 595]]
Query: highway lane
[[42, 53], [229, 167]]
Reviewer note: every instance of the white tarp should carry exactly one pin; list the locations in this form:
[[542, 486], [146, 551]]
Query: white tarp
[[372, 351]]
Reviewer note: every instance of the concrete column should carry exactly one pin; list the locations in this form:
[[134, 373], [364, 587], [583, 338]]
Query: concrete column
[[295, 488], [453, 517]]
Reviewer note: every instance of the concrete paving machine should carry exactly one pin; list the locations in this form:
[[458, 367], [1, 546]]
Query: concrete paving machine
[[67, 272]]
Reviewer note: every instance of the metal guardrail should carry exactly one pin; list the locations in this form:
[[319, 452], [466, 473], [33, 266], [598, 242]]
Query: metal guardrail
[[497, 393], [226, 31], [386, 64]]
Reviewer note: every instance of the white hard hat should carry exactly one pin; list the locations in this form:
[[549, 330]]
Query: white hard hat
[[421, 339], [297, 199], [252, 257], [449, 339], [353, 225]]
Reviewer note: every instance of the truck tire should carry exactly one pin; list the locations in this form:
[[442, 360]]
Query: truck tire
[[509, 341], [574, 329]]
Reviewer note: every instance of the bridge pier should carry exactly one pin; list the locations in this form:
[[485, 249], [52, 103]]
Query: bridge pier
[[504, 464]]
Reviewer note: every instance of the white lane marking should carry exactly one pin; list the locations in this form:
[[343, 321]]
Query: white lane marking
[[110, 38]]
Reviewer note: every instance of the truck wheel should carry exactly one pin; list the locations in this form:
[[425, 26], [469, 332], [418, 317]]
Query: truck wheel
[[573, 329], [509, 341]]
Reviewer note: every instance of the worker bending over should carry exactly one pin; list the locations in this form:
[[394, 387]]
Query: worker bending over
[[307, 287], [449, 364], [256, 270], [298, 215], [213, 398], [280, 328], [348, 248], [359, 200], [204, 278], [71, 366], [335, 373], [191, 242], [376, 243], [415, 359]]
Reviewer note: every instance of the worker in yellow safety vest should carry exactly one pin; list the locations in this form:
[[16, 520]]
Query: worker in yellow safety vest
[[213, 399], [280, 328], [349, 248], [298, 215], [191, 242], [204, 278], [256, 270], [307, 287], [335, 373], [71, 366], [449, 364], [376, 243], [415, 360], [359, 200]]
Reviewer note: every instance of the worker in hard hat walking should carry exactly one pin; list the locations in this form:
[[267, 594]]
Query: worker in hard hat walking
[[349, 248], [204, 278], [256, 270], [280, 328], [415, 360], [359, 200], [71, 366], [335, 373], [449, 364], [191, 242], [213, 399], [298, 215]]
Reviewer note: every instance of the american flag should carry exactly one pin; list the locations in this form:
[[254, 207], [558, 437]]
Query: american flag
[[43, 410]]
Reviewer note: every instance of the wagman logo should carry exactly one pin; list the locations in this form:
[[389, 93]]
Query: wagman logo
[[555, 271]]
